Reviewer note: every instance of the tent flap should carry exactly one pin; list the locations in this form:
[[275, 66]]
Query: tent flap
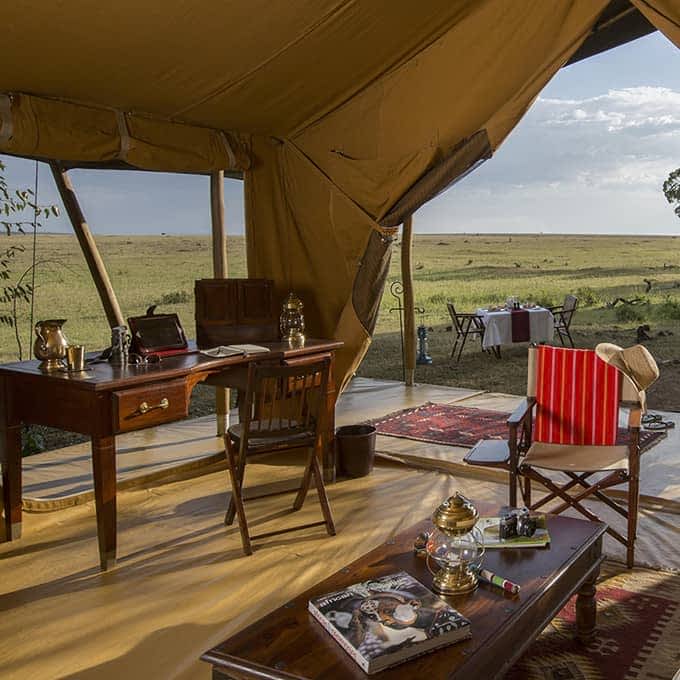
[[369, 282], [664, 15], [37, 127], [465, 157]]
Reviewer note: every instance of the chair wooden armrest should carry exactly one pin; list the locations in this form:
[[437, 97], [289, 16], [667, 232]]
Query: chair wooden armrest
[[489, 453], [635, 416], [521, 412], [556, 308]]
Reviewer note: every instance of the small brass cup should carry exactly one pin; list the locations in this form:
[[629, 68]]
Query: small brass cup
[[75, 358]]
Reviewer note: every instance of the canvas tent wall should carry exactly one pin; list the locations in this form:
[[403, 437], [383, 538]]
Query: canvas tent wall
[[342, 115]]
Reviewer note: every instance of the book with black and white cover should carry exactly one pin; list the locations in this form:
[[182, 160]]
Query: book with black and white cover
[[388, 620], [223, 351]]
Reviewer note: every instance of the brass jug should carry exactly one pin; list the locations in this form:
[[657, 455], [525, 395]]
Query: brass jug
[[50, 344]]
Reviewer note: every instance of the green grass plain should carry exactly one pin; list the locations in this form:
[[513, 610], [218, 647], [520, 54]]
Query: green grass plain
[[471, 270]]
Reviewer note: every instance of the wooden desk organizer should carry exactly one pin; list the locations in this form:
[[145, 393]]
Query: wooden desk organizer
[[235, 311]]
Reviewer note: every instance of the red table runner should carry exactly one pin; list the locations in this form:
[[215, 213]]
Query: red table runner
[[521, 327]]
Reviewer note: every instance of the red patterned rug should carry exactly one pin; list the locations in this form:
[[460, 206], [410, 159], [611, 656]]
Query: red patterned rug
[[464, 426], [637, 637]]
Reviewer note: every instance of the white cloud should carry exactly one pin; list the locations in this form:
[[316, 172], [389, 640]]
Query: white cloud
[[645, 110], [604, 157]]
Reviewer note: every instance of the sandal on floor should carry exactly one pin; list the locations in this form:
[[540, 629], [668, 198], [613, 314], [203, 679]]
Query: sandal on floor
[[651, 418], [660, 425]]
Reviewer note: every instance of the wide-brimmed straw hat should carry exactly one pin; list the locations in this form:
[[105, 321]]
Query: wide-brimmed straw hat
[[635, 362]]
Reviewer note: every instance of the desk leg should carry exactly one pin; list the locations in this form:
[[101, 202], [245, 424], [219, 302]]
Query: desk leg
[[10, 458], [329, 461], [586, 608], [222, 398], [104, 471]]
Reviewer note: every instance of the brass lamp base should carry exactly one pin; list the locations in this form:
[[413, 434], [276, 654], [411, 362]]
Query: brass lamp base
[[457, 581], [295, 339], [51, 365]]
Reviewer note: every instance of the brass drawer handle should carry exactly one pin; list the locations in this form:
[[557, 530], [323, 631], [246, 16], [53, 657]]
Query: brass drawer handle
[[145, 408]]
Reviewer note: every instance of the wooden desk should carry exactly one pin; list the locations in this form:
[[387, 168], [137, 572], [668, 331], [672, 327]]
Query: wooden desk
[[289, 644], [106, 402]]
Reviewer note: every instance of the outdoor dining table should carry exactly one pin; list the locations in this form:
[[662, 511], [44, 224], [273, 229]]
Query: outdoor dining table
[[500, 330]]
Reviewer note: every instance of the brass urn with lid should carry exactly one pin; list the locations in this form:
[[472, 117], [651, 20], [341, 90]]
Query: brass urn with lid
[[456, 546]]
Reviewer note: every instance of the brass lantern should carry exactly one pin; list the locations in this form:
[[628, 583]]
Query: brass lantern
[[292, 321], [456, 546]]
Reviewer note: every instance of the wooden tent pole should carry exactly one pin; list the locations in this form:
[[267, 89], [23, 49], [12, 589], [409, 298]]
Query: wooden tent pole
[[409, 303], [87, 245], [219, 249], [219, 236]]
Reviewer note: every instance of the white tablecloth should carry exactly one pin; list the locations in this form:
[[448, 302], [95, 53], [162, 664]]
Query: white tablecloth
[[499, 326]]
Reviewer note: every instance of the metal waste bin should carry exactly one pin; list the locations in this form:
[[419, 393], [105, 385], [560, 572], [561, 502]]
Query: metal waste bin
[[356, 449]]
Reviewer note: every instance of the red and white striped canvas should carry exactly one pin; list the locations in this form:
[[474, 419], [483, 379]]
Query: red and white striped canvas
[[577, 397]]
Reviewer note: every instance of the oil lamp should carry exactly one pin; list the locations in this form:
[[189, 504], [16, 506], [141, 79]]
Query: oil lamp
[[456, 546], [292, 321]]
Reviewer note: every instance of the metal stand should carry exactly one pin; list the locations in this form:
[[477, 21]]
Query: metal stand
[[396, 291]]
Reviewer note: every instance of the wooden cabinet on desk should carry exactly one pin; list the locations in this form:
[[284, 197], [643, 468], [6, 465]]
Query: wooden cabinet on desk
[[235, 311]]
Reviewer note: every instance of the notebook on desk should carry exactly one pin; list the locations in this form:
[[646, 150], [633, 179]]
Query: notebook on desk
[[223, 351]]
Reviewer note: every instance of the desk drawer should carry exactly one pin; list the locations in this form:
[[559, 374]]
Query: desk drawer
[[150, 405]]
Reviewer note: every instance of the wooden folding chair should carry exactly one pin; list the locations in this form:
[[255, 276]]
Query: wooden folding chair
[[282, 411], [563, 315], [465, 325], [567, 427]]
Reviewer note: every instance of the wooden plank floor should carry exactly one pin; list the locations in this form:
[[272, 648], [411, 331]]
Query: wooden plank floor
[[182, 583]]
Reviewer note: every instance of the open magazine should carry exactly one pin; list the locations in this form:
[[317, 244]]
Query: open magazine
[[388, 620], [233, 350]]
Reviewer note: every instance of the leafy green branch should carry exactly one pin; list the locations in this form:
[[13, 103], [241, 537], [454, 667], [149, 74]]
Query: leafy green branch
[[19, 210], [671, 190]]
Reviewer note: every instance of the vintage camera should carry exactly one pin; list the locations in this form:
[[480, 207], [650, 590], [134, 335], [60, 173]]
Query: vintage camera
[[516, 522]]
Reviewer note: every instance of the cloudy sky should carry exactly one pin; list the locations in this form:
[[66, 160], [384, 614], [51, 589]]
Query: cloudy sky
[[589, 157]]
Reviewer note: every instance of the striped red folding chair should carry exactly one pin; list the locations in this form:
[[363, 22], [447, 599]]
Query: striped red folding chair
[[568, 426]]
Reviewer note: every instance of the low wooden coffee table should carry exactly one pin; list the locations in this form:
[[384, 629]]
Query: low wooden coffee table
[[289, 644]]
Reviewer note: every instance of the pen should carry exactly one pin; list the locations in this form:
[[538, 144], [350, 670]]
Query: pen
[[494, 579]]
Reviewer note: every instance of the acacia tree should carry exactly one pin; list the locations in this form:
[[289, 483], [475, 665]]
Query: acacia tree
[[671, 190], [18, 212]]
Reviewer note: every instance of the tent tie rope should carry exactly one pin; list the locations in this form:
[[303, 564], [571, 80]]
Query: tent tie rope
[[227, 147], [124, 135], [35, 249], [6, 126]]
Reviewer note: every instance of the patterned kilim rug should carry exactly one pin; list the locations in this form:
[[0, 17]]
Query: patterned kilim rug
[[637, 637], [464, 426]]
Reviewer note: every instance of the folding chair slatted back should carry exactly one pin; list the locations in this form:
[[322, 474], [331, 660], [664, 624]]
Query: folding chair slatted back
[[464, 325], [284, 407], [569, 307], [577, 398], [457, 326], [284, 400]]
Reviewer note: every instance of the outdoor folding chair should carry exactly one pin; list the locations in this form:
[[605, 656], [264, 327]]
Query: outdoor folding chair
[[282, 411], [563, 314], [568, 426], [464, 325]]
